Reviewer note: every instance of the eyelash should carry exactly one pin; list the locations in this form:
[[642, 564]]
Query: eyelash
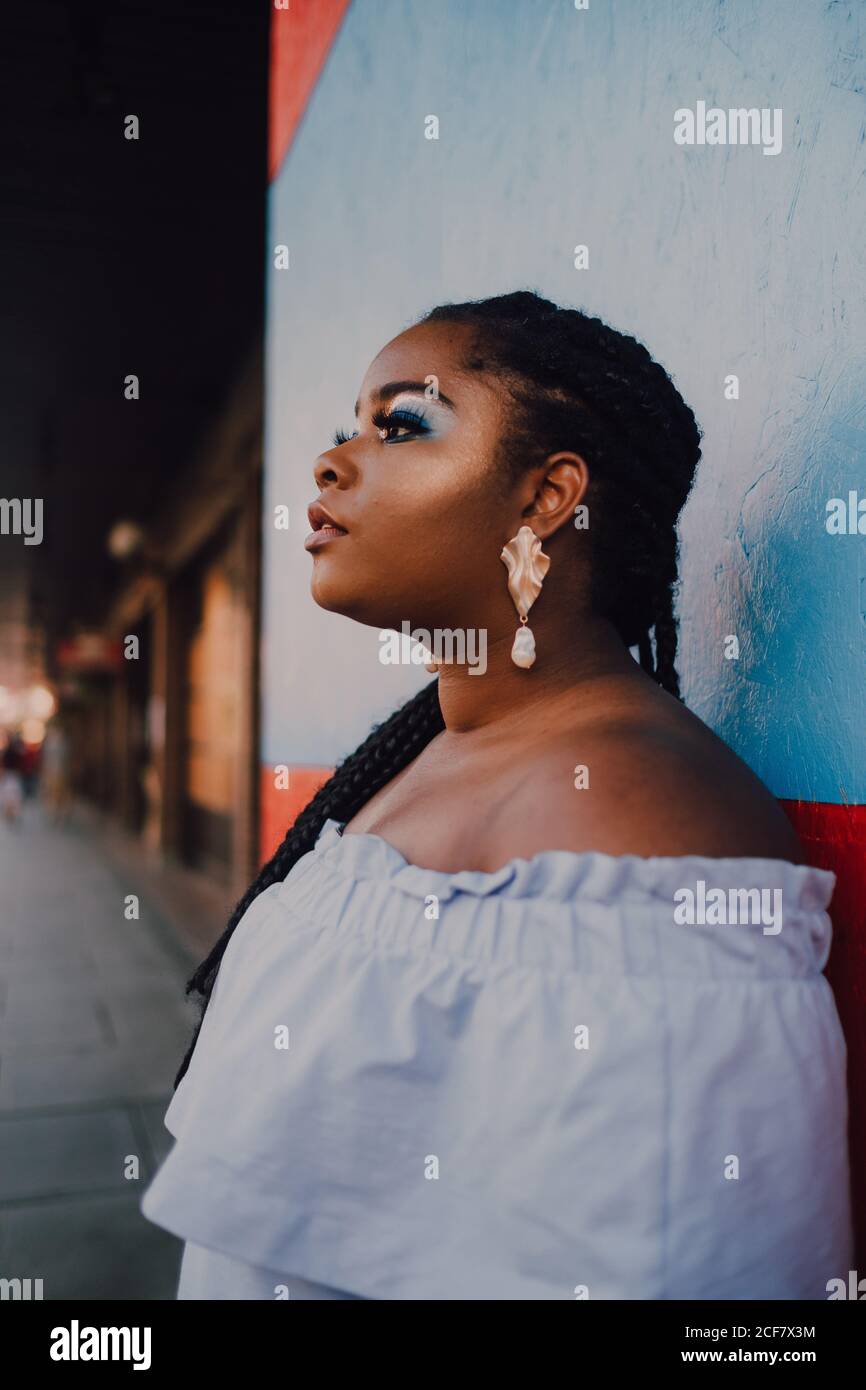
[[385, 420]]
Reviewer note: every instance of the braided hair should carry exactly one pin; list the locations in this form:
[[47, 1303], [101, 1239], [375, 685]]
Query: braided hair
[[578, 385]]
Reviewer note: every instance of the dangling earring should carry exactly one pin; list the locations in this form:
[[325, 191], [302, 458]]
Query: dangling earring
[[527, 565]]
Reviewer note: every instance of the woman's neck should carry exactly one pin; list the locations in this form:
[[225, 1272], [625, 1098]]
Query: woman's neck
[[563, 679]]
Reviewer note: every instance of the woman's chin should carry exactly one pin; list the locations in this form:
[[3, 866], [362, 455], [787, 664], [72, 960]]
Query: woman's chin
[[335, 596], [326, 595]]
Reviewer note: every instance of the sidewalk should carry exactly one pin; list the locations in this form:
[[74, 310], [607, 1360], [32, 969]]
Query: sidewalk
[[93, 1024]]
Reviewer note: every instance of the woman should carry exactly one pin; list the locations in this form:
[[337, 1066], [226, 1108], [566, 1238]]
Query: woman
[[461, 1038]]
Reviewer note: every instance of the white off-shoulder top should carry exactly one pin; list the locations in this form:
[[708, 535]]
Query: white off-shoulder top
[[543, 1082]]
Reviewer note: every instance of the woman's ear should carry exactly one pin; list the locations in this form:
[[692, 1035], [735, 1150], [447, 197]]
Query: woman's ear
[[560, 489]]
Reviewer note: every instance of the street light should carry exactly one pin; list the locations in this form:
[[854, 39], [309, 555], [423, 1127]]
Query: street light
[[124, 539]]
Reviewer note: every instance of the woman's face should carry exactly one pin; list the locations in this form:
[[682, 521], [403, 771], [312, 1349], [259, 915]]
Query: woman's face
[[426, 510]]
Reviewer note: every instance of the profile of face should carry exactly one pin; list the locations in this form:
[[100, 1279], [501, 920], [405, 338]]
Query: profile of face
[[423, 496]]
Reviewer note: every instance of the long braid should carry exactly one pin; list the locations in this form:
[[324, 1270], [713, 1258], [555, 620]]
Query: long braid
[[666, 650], [388, 748], [576, 384], [645, 653]]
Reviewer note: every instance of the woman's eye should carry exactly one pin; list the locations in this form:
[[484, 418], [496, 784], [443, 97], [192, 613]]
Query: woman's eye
[[393, 427], [408, 424], [391, 431]]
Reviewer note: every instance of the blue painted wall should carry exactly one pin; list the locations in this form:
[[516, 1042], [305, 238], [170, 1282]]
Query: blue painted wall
[[556, 128]]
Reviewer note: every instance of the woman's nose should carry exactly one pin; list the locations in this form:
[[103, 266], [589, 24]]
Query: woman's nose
[[334, 467]]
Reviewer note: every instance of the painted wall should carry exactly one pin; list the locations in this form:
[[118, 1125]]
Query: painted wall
[[557, 128]]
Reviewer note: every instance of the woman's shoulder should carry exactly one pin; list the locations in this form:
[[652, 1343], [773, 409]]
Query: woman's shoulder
[[661, 784]]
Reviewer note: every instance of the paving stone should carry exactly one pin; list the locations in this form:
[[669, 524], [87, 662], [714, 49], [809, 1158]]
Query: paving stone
[[55, 1155], [48, 1024], [68, 1078], [99, 1248]]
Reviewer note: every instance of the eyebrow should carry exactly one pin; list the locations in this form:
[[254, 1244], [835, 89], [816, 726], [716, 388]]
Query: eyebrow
[[394, 388]]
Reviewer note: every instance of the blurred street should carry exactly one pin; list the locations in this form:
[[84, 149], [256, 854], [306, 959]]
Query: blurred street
[[93, 1023]]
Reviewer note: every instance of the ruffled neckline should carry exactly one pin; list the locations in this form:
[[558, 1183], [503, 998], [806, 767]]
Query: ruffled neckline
[[559, 874]]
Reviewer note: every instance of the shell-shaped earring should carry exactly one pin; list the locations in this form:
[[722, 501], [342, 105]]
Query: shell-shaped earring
[[527, 565]]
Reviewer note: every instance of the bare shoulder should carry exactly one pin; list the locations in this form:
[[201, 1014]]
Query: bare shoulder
[[660, 786]]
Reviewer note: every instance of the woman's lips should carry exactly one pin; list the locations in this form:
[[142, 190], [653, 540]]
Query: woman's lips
[[324, 533], [325, 528]]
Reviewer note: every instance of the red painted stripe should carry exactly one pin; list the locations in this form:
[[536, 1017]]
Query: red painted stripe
[[278, 807], [301, 38], [835, 838]]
